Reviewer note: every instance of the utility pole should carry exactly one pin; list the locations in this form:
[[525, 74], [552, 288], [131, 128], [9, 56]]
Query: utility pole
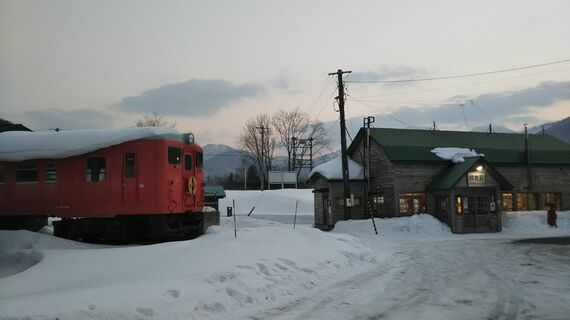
[[347, 211], [367, 194]]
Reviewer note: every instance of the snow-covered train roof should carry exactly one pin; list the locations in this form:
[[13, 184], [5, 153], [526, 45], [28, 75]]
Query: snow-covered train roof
[[22, 145]]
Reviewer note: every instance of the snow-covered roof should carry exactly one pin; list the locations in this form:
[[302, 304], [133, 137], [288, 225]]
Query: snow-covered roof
[[454, 154], [22, 145], [333, 169]]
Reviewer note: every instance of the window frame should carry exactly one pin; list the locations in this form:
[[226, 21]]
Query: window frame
[[89, 176], [129, 171], [171, 155], [51, 173], [186, 162], [34, 168]]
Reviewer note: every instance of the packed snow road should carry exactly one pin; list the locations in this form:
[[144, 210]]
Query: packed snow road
[[465, 279]]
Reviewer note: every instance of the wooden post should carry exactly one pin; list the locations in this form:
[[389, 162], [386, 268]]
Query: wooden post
[[235, 213], [295, 219]]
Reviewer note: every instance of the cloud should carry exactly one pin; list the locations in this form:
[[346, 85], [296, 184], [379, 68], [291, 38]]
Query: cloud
[[191, 98], [388, 73], [507, 107], [67, 119]]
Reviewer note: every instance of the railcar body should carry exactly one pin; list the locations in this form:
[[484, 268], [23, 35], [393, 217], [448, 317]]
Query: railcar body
[[139, 188]]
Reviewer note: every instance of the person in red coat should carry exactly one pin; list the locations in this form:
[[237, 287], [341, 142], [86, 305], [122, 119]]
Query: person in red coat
[[551, 216]]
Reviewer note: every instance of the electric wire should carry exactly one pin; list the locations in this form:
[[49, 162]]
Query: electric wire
[[463, 75]]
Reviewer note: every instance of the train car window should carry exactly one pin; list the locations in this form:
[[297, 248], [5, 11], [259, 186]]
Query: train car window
[[1, 173], [174, 155], [26, 172], [199, 159], [96, 169], [51, 172], [188, 162], [130, 165]]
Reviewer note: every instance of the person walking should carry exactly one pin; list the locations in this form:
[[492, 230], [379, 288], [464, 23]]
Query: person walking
[[551, 216]]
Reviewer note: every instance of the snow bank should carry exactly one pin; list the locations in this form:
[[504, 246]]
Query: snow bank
[[333, 169], [456, 155], [24, 145], [212, 277], [416, 226], [534, 222]]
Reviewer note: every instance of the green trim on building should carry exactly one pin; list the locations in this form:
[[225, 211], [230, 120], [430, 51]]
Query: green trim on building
[[403, 145]]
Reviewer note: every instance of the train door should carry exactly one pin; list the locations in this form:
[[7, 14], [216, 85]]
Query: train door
[[191, 180], [130, 179]]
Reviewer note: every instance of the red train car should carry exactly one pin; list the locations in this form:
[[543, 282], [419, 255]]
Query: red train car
[[116, 184]]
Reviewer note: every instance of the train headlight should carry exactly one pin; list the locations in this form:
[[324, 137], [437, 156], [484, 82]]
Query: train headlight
[[188, 138]]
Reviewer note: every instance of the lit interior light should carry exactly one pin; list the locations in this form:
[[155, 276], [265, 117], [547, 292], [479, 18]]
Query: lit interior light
[[480, 168]]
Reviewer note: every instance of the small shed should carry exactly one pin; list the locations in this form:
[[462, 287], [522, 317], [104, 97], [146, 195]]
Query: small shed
[[212, 194], [329, 192]]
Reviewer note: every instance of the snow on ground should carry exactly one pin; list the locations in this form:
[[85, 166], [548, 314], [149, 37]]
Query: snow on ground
[[408, 271]]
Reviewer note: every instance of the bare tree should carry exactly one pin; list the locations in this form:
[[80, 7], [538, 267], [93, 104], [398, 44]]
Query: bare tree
[[258, 141], [154, 120], [299, 125]]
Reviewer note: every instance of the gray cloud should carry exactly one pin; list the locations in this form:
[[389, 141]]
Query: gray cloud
[[67, 119], [191, 98], [388, 73], [500, 108]]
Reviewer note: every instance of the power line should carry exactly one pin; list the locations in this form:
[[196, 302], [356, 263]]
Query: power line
[[462, 75], [386, 114], [325, 86]]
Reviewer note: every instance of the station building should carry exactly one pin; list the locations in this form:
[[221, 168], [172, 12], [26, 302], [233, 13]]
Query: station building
[[398, 173]]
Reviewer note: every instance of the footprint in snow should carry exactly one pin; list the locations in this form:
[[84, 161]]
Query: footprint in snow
[[172, 293], [147, 312]]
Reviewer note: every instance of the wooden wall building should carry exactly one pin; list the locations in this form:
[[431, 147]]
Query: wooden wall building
[[511, 172]]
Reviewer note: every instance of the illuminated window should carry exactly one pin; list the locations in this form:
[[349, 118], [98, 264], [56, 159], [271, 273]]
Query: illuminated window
[[27, 172], [412, 203], [552, 198], [476, 179], [507, 201], [527, 201], [96, 169]]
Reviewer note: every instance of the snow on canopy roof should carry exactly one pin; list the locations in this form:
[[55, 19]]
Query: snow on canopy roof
[[456, 155], [332, 169], [22, 145]]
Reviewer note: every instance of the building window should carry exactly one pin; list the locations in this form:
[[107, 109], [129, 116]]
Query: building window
[[1, 173], [174, 155], [412, 203], [187, 162], [553, 198], [476, 179], [96, 169], [51, 172], [27, 172], [340, 201], [130, 165], [507, 201], [527, 201]]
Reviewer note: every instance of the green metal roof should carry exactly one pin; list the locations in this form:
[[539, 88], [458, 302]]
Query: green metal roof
[[451, 176], [498, 148]]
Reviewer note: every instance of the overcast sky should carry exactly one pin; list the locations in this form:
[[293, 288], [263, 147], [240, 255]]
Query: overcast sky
[[209, 65]]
